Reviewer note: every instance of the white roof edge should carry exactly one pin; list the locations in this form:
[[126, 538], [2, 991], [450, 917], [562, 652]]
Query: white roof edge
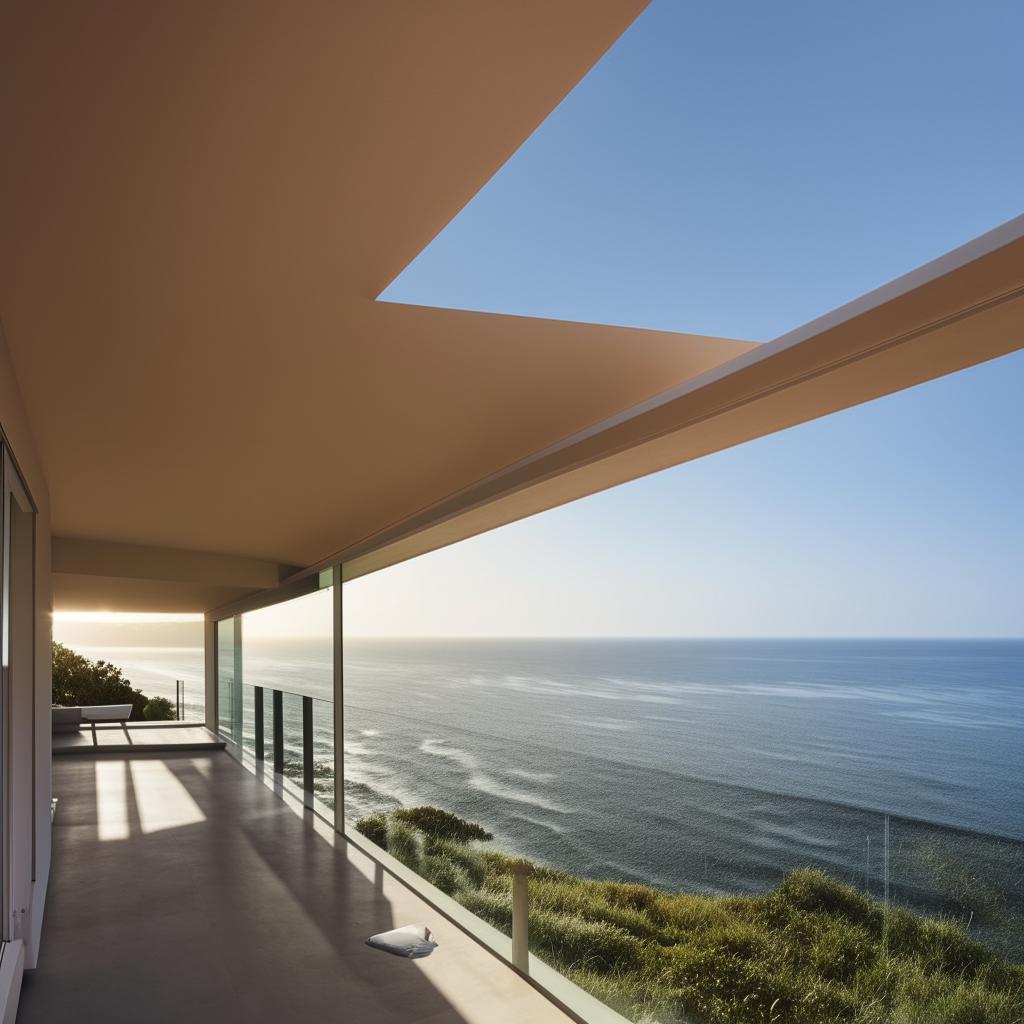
[[1011, 231]]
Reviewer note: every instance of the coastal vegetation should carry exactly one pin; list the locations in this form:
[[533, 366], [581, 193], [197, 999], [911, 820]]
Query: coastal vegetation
[[80, 682], [811, 951]]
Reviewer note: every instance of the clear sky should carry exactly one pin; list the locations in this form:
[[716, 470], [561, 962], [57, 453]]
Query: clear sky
[[738, 168]]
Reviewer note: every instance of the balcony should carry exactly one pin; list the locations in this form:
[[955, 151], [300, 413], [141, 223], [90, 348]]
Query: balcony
[[183, 888]]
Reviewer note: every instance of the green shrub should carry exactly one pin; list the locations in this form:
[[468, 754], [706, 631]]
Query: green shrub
[[632, 994], [722, 985], [375, 828], [158, 709], [403, 843], [812, 890], [570, 941], [933, 998], [590, 900], [840, 950], [493, 907], [468, 860], [438, 824], [631, 895], [947, 948], [443, 872]]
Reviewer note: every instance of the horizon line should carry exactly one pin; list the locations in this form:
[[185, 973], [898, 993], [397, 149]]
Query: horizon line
[[669, 636]]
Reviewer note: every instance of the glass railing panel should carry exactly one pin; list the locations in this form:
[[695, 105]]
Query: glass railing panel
[[226, 677], [306, 731], [249, 719], [323, 752], [292, 734], [269, 741]]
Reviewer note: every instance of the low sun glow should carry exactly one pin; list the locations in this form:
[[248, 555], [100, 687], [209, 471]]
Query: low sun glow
[[126, 617]]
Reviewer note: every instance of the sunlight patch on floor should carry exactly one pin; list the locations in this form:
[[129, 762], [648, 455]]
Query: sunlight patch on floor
[[112, 800], [161, 799]]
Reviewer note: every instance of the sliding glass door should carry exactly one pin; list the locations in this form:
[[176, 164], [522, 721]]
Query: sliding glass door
[[17, 717], [226, 682]]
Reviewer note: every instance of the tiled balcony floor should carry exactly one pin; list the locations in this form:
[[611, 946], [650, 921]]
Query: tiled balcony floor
[[183, 889]]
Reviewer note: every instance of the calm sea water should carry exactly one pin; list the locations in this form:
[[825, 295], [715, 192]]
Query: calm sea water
[[702, 764]]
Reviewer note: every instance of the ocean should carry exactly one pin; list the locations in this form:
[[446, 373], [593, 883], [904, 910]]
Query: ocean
[[707, 765]]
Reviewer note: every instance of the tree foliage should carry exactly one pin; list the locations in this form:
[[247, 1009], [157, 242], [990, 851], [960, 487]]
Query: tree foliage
[[77, 681], [159, 709]]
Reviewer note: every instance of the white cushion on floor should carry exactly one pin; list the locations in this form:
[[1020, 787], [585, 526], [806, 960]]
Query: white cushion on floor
[[412, 940]]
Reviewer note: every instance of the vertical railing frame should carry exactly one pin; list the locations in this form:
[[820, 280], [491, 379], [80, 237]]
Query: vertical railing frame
[[307, 744], [339, 709], [257, 702], [278, 709]]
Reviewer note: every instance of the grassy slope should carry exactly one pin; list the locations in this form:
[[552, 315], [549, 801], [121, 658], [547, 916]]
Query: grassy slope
[[813, 951]]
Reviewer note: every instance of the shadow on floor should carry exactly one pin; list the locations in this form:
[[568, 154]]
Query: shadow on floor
[[183, 889]]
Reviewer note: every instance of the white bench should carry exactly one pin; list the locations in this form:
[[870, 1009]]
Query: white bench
[[107, 713]]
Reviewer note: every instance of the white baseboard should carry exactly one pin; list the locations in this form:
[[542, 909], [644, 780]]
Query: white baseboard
[[12, 962], [35, 921]]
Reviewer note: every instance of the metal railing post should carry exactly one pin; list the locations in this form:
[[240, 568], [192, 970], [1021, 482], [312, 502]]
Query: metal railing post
[[278, 706], [257, 700], [307, 744], [521, 917]]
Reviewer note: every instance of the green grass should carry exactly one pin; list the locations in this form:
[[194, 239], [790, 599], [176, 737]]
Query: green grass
[[812, 951]]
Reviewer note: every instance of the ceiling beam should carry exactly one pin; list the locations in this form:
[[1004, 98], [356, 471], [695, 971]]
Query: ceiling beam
[[91, 575]]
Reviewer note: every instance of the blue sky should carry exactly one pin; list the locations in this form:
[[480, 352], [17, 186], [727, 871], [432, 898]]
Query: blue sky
[[738, 169]]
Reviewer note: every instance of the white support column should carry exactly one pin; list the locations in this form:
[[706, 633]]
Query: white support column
[[210, 664], [339, 710], [236, 686]]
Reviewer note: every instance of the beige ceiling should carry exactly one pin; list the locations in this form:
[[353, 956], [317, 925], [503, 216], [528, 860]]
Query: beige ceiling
[[199, 203]]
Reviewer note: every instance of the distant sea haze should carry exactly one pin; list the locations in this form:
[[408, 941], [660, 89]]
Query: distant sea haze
[[715, 765]]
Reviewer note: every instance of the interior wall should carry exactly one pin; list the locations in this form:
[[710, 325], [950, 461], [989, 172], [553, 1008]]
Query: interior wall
[[35, 787]]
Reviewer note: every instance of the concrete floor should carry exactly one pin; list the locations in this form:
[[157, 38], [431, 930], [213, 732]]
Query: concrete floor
[[183, 889]]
